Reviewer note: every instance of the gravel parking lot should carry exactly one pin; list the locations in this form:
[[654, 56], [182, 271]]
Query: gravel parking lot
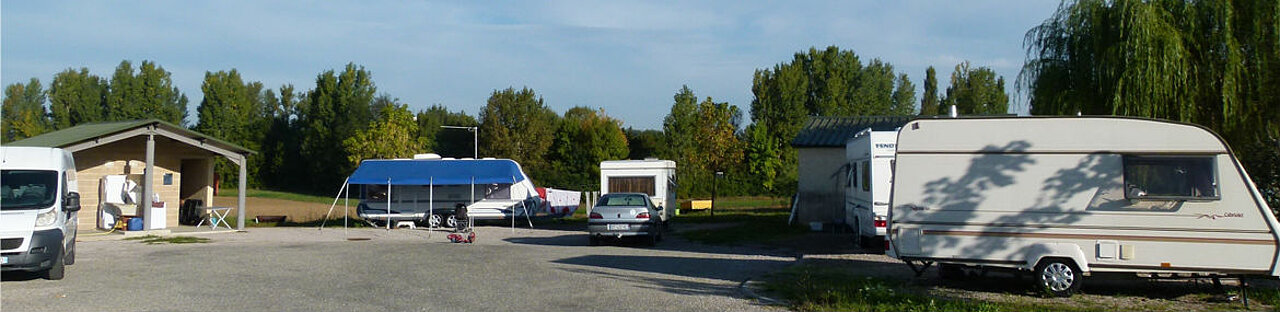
[[305, 269]]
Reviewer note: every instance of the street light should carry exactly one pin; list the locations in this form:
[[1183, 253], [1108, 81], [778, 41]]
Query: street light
[[475, 136], [715, 187]]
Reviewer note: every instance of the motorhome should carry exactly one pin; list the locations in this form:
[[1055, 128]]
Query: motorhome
[[870, 174], [1069, 197], [429, 190], [39, 199], [653, 177]]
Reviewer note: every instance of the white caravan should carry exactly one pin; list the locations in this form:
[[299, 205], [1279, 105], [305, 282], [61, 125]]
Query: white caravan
[[866, 208], [38, 204], [429, 190], [1073, 196], [653, 177]]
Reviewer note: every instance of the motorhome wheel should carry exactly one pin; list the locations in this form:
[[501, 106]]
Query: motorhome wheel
[[1058, 278]]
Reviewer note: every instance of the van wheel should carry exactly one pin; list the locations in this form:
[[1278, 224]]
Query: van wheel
[[1058, 278], [71, 253], [58, 270]]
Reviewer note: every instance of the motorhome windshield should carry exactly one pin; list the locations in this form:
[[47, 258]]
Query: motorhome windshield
[[28, 189]]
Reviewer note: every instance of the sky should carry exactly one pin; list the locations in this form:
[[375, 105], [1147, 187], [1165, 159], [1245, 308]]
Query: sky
[[627, 57]]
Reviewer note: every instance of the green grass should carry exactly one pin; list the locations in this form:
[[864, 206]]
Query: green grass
[[810, 287], [754, 219], [153, 239], [277, 195]]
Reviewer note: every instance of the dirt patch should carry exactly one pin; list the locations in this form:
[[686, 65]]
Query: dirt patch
[[294, 211]]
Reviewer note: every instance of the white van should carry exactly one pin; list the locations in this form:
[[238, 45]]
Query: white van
[[1069, 197], [38, 204], [870, 174]]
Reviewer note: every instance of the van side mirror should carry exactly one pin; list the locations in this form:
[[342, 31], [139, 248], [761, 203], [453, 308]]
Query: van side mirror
[[71, 203], [659, 208]]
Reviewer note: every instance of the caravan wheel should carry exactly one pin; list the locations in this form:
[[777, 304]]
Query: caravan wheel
[[434, 221], [1058, 278], [451, 221]]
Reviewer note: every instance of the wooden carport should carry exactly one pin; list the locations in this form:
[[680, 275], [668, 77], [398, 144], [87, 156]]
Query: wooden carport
[[103, 144]]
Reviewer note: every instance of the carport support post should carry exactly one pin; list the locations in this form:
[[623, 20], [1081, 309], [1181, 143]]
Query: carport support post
[[148, 189], [240, 194]]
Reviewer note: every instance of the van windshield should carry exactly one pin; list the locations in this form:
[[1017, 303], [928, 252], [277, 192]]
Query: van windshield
[[27, 189]]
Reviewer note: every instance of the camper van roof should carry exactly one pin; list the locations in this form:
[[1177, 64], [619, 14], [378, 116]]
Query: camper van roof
[[1056, 134], [437, 172]]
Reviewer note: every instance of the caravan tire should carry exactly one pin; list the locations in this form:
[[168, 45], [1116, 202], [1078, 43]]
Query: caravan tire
[[951, 272], [434, 221], [1058, 278], [451, 221]]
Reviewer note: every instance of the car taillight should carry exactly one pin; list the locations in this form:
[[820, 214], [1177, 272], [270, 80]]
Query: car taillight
[[881, 223], [595, 215], [642, 215]]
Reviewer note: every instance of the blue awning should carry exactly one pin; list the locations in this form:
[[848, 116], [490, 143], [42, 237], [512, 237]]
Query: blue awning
[[436, 171]]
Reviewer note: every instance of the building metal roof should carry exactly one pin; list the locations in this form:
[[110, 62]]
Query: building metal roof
[[93, 131], [826, 131]]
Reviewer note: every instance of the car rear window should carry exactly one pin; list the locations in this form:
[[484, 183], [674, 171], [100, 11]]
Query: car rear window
[[625, 200]]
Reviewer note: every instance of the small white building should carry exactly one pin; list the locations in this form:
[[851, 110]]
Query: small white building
[[654, 177], [823, 167]]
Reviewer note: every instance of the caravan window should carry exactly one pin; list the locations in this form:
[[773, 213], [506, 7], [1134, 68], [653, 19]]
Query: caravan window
[[1170, 177], [632, 185], [497, 191]]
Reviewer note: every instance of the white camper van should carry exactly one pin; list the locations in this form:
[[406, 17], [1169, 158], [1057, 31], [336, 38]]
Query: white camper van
[[38, 204], [1070, 197], [870, 172], [653, 177]]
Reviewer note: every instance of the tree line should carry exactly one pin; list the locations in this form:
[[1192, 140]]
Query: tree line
[[1209, 63]]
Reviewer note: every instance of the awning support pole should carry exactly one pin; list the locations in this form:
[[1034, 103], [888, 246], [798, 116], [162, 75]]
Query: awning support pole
[[388, 204], [335, 204]]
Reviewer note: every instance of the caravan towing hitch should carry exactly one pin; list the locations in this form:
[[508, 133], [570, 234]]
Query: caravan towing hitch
[[919, 269]]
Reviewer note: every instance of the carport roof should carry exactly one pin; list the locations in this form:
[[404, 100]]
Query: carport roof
[[826, 131], [93, 131]]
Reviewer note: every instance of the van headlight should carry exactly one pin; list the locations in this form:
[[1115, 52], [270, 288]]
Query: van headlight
[[47, 218]]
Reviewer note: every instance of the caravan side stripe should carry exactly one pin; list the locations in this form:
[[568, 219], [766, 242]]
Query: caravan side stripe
[[1104, 237]]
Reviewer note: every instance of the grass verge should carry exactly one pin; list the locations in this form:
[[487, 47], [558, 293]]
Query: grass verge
[[277, 195], [809, 287], [153, 239], [752, 219]]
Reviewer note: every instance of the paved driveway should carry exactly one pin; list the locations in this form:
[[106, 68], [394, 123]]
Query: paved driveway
[[301, 269]]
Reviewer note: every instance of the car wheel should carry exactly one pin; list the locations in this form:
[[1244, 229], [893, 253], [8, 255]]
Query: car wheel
[[58, 270], [593, 240], [71, 253], [652, 240], [451, 221], [1058, 278]]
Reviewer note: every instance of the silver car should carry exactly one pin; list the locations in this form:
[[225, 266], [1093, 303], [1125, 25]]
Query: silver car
[[619, 215]]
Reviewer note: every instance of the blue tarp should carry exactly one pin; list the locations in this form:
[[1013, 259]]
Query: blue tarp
[[439, 172]]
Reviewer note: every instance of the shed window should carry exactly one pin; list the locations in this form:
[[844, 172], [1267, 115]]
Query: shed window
[[1150, 177]]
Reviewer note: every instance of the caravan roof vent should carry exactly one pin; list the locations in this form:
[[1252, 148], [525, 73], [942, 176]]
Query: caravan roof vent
[[426, 156], [489, 158], [448, 158], [650, 158]]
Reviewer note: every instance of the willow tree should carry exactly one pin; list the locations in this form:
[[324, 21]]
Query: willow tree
[[1213, 63]]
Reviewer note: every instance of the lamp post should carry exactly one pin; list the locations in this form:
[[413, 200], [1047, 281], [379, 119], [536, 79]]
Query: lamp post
[[715, 188], [475, 137]]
